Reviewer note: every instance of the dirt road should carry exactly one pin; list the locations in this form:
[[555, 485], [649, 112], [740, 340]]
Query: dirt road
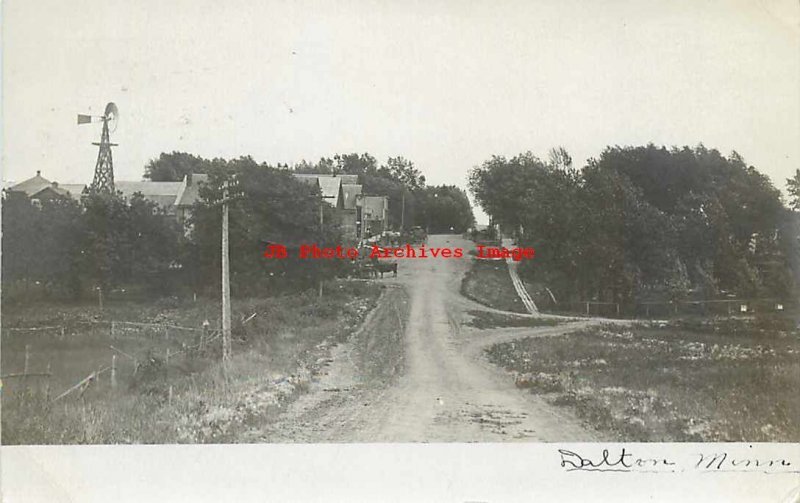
[[440, 388]]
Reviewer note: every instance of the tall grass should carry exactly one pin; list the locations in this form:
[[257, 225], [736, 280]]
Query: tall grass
[[194, 397]]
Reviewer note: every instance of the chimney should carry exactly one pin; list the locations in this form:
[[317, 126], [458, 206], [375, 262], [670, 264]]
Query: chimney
[[188, 179], [38, 172], [55, 185]]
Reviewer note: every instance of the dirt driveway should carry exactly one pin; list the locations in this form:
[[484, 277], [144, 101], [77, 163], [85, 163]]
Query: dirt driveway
[[443, 389]]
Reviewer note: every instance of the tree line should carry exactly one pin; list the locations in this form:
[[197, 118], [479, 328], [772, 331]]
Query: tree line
[[645, 223], [68, 248]]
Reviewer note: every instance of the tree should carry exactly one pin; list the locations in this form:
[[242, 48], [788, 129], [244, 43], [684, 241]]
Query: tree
[[272, 207], [559, 158], [642, 221], [354, 164], [403, 170], [445, 208], [794, 190], [174, 166]]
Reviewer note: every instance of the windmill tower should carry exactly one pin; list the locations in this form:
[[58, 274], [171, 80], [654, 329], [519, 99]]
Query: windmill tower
[[104, 169]]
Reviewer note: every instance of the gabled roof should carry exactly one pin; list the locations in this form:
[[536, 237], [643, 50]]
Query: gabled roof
[[190, 190], [32, 185], [329, 185], [331, 189], [350, 193]]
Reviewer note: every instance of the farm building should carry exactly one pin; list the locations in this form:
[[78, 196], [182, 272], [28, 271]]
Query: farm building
[[176, 198]]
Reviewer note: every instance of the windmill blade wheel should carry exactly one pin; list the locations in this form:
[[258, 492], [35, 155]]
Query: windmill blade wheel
[[111, 116]]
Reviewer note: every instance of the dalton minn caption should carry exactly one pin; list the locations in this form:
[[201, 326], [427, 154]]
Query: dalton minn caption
[[277, 251]]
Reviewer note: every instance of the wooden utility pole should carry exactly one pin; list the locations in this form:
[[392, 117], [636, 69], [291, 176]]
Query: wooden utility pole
[[322, 231], [226, 281], [321, 235], [403, 212]]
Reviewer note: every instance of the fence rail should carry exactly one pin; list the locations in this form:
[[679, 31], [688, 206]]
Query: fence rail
[[666, 308]]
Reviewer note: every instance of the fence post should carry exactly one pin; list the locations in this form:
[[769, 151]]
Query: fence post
[[113, 327], [617, 308], [113, 371], [47, 385], [587, 308], [169, 399], [27, 358], [62, 332]]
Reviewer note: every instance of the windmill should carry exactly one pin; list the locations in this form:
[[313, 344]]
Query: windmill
[[104, 169]]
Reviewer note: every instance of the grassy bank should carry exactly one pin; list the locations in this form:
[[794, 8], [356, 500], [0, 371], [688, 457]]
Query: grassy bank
[[280, 345], [484, 320], [711, 381], [488, 283]]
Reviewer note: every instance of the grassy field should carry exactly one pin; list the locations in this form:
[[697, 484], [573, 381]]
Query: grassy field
[[687, 380], [191, 398], [489, 283], [484, 319]]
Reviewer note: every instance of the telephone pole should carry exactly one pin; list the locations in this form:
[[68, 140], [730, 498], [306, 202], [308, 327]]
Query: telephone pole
[[226, 281], [403, 212], [322, 232]]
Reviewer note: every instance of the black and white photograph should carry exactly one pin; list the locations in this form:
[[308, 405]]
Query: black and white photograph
[[388, 223]]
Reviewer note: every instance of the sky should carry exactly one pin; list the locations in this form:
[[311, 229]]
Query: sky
[[446, 84]]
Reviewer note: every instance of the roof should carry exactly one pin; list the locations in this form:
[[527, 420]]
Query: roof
[[32, 185], [330, 188], [165, 194], [74, 189], [149, 188], [329, 185], [350, 193], [348, 179], [308, 179], [190, 189]]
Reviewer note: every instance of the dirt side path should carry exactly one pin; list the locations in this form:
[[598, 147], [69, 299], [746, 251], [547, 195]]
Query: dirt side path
[[433, 383]]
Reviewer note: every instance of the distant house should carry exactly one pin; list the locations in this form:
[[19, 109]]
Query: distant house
[[175, 198], [359, 216], [350, 218], [188, 194], [39, 188], [330, 186], [374, 215], [340, 191]]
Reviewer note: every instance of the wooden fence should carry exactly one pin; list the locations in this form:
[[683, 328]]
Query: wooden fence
[[188, 340], [678, 308]]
